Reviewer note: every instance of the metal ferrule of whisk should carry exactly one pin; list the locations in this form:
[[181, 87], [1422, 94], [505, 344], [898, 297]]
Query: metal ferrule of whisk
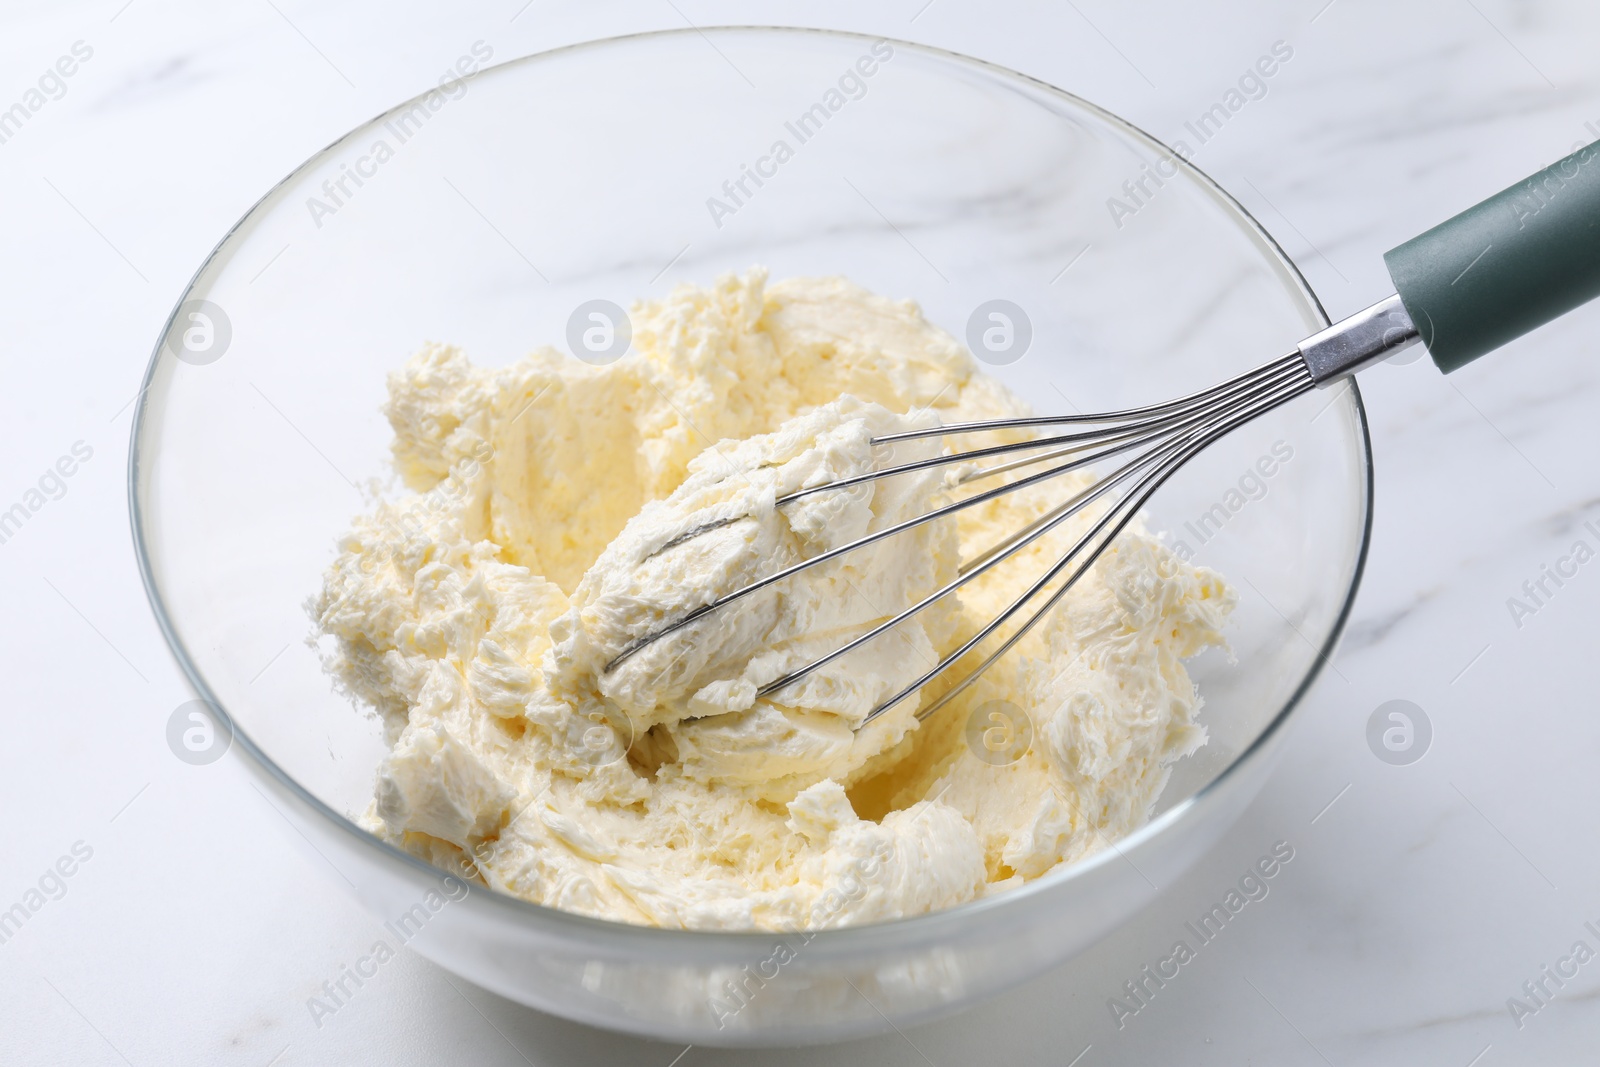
[[1149, 445]]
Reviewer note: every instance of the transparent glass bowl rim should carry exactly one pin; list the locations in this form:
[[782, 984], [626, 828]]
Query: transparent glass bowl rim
[[926, 927]]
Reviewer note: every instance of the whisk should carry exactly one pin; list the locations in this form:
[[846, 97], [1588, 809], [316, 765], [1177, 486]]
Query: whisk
[[1525, 256]]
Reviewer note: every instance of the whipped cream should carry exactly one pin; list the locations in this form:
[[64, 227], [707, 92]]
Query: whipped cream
[[560, 513]]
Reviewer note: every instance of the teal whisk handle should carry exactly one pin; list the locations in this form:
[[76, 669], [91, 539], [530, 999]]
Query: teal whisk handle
[[1498, 270], [1507, 266]]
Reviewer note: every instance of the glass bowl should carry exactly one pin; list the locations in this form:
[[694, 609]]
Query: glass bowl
[[485, 211]]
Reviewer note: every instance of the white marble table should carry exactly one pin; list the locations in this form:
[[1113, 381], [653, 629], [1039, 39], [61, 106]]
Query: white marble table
[[1421, 897]]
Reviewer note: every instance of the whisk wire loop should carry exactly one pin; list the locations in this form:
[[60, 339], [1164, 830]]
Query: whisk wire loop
[[1165, 436]]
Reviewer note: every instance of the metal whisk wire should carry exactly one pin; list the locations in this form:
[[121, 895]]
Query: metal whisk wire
[[1159, 465], [1165, 435]]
